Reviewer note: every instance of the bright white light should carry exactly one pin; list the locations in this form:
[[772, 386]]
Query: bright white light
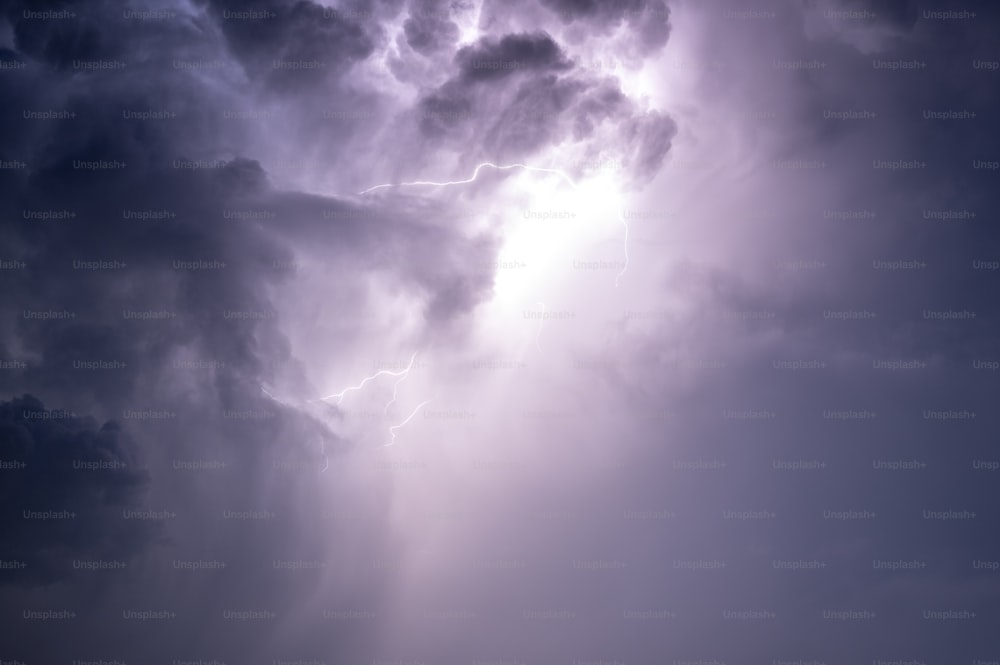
[[580, 208], [469, 26]]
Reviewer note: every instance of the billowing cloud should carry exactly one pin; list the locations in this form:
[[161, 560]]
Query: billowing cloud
[[532, 331], [69, 489], [299, 43], [428, 27]]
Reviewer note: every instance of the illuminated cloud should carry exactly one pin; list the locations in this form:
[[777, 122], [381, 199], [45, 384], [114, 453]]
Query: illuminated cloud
[[548, 441]]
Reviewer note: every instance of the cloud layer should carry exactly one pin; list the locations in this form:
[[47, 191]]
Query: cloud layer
[[699, 368]]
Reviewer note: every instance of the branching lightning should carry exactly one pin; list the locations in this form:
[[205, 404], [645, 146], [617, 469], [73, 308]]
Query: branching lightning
[[385, 372], [507, 167], [395, 386], [402, 376], [392, 430]]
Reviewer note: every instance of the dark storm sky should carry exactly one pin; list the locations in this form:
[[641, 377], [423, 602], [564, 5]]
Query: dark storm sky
[[707, 372]]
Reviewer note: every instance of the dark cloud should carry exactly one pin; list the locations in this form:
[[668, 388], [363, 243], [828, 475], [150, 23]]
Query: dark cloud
[[67, 484], [600, 104], [442, 112], [82, 34], [293, 44], [533, 118], [649, 138], [648, 20], [537, 98], [574, 9], [493, 59], [171, 216], [230, 220], [429, 28]]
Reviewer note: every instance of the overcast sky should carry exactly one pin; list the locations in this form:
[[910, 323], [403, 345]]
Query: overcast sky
[[499, 332]]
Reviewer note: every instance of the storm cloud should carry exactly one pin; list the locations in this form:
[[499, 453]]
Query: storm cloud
[[498, 332]]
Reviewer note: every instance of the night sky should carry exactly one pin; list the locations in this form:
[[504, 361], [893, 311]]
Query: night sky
[[499, 332]]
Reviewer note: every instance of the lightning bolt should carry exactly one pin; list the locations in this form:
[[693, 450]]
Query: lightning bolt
[[403, 373], [506, 167], [392, 430], [475, 174], [395, 386], [284, 401]]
